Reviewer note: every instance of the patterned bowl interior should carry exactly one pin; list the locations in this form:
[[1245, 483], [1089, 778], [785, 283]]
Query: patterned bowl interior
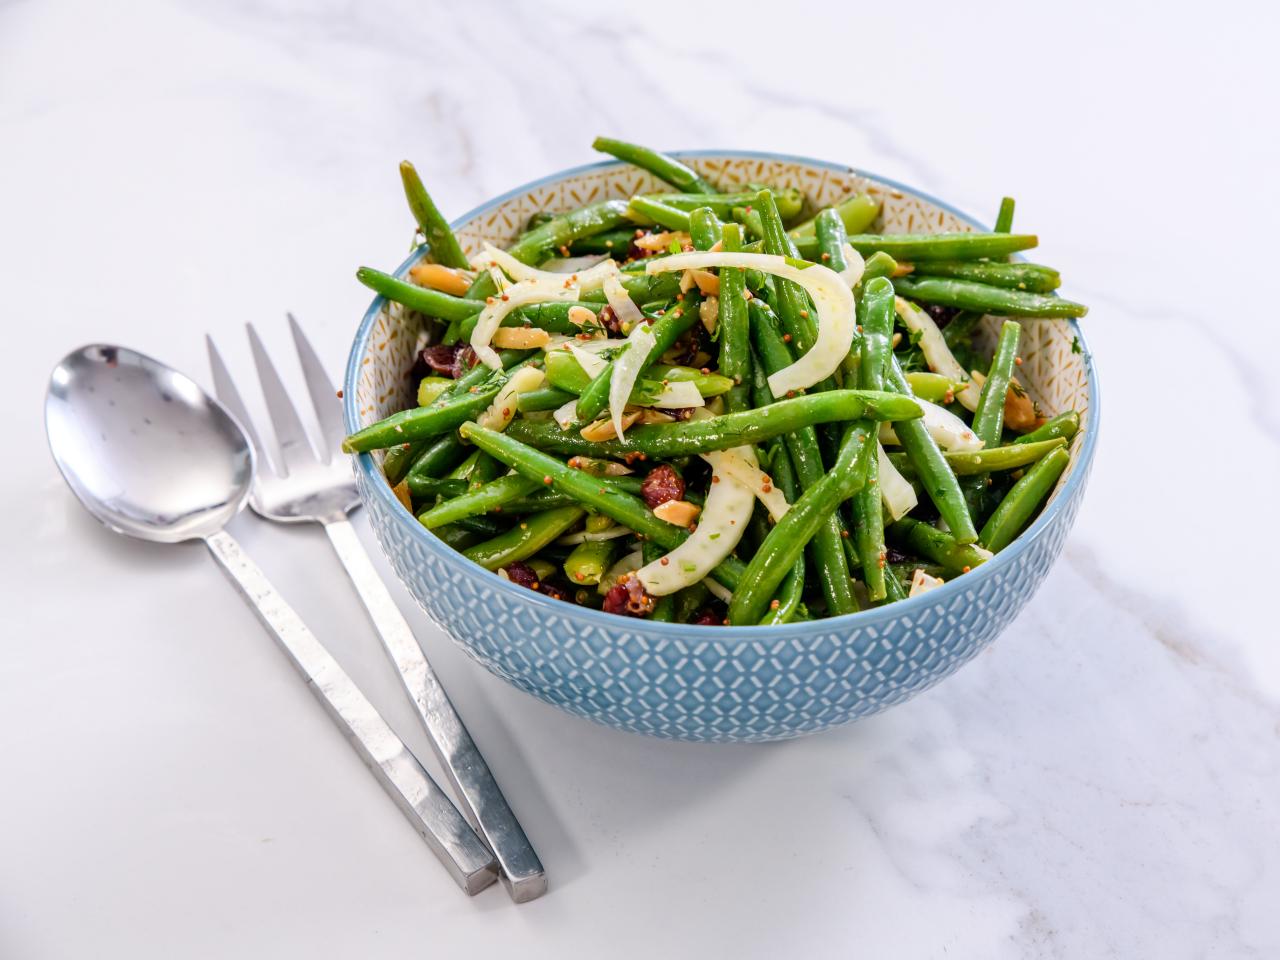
[[802, 678]]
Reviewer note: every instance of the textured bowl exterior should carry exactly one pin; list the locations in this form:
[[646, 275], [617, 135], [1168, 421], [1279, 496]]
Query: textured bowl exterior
[[715, 683]]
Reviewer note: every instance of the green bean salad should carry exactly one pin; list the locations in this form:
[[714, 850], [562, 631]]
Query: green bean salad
[[708, 407]]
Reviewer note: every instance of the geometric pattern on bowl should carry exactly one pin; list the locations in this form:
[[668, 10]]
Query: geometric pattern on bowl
[[715, 683]]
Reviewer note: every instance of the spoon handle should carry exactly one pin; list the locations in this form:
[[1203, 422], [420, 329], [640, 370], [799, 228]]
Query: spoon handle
[[425, 805], [482, 801]]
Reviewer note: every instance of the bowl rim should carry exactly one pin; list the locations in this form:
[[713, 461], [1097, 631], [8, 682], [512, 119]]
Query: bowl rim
[[874, 617]]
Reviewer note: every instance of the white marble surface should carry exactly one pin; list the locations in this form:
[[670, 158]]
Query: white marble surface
[[1104, 781]]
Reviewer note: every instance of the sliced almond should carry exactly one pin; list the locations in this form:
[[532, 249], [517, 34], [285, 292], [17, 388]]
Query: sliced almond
[[401, 490], [1019, 409], [707, 282], [686, 281], [599, 468], [649, 415], [520, 338], [581, 316], [603, 429], [439, 277], [660, 242], [679, 513], [902, 269], [709, 313]]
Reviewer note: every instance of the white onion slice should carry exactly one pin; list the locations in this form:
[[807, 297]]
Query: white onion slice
[[677, 395], [624, 308], [590, 362], [936, 352], [718, 589], [947, 430], [567, 415], [573, 264], [517, 295], [628, 564], [626, 370], [503, 409], [585, 280], [896, 492], [587, 536], [853, 265], [721, 525], [831, 296], [740, 464]]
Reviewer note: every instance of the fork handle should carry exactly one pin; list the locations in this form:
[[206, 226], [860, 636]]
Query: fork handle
[[482, 800], [425, 805]]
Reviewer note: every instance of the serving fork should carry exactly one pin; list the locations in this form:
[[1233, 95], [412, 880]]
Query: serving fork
[[303, 484]]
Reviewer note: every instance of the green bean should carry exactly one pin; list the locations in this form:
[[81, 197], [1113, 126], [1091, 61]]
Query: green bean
[[666, 329], [988, 418], [981, 298], [915, 247], [776, 556], [933, 544], [792, 303], [485, 526], [543, 398], [705, 228], [856, 213], [831, 238], [420, 423], [690, 600], [641, 287], [1022, 501], [525, 539], [1004, 219], [589, 560], [432, 388], [879, 264], [829, 561], [433, 303], [688, 437], [539, 243], [990, 459], [472, 503], [659, 164], [930, 465], [552, 316], [423, 487], [459, 538], [786, 605], [438, 457], [893, 588], [875, 315], [398, 460], [565, 373], [616, 243], [1064, 425], [664, 608], [651, 208], [789, 202], [1013, 276], [734, 326], [590, 491], [546, 498], [443, 244]]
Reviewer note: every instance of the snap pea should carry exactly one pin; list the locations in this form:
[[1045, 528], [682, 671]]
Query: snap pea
[[933, 544], [875, 315], [1013, 276], [525, 538], [1023, 500], [666, 329], [856, 213], [916, 247], [590, 491], [981, 298], [776, 556], [704, 228], [546, 239], [588, 561], [1064, 425], [652, 208], [988, 419], [660, 165], [930, 465], [435, 228], [688, 437], [827, 550], [933, 387]]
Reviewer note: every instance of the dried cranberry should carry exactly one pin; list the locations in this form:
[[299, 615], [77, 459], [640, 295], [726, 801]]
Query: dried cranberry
[[554, 591], [451, 361], [629, 598], [941, 315], [893, 555], [662, 484], [522, 575], [609, 320], [708, 617]]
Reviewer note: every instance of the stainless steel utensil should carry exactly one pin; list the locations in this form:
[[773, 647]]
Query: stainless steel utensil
[[318, 486], [152, 456]]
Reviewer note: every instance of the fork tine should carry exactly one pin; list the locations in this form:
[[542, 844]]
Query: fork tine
[[323, 397], [224, 388], [295, 448]]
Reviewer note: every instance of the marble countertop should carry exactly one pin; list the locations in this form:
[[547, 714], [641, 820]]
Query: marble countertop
[[1103, 781]]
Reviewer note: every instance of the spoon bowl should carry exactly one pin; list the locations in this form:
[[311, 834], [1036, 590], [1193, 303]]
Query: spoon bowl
[[143, 447]]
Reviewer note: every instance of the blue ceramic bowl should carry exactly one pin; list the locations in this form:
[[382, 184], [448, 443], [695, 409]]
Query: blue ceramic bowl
[[714, 683]]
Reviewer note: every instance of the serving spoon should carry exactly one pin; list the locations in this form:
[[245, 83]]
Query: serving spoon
[[152, 456]]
